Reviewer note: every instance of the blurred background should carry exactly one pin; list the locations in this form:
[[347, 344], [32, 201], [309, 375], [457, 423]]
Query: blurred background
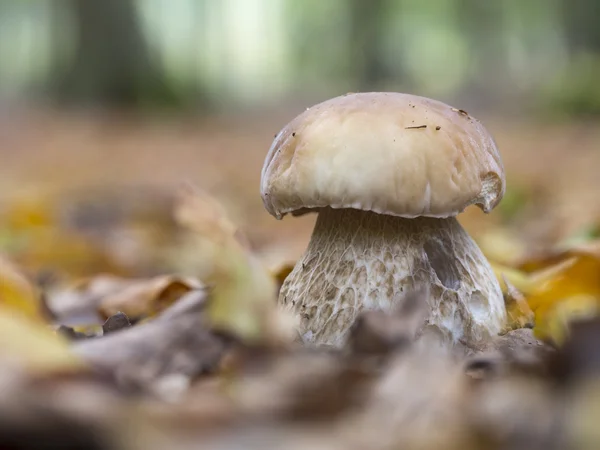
[[106, 107]]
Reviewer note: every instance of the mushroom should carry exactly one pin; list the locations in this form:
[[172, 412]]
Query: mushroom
[[387, 174]]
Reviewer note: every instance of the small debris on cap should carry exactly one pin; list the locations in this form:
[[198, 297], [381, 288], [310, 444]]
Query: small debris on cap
[[460, 111], [438, 128], [416, 127]]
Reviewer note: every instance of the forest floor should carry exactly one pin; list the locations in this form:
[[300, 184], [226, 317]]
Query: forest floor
[[138, 277]]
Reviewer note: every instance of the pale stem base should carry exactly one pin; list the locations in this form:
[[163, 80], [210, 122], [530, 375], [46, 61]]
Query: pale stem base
[[359, 260]]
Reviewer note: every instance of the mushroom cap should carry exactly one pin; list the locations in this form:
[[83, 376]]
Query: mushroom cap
[[385, 152]]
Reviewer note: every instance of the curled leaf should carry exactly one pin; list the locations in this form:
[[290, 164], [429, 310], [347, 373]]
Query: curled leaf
[[146, 298], [566, 287]]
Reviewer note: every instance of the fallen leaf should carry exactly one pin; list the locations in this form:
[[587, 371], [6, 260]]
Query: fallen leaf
[[33, 345], [516, 277], [76, 304], [177, 342], [554, 319], [17, 292], [555, 256], [568, 290], [31, 208], [146, 298], [519, 313], [528, 282]]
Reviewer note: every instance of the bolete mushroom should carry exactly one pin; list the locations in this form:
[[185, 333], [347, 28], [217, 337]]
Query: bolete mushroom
[[387, 173]]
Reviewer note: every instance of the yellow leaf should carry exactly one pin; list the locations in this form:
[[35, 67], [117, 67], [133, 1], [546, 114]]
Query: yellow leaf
[[516, 277], [30, 209], [281, 272], [553, 319], [33, 345], [17, 292], [567, 289], [579, 275], [526, 282], [519, 313]]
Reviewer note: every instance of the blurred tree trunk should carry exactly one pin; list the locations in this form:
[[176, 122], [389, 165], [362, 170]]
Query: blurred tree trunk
[[366, 19], [582, 24], [112, 64], [479, 22]]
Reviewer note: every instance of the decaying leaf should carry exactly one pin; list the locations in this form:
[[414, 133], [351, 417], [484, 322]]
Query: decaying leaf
[[177, 342], [90, 302]]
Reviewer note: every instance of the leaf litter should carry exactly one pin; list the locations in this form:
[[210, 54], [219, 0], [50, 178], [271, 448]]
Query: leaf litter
[[205, 358]]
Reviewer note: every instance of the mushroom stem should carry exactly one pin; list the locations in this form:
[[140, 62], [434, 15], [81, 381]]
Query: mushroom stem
[[358, 260]]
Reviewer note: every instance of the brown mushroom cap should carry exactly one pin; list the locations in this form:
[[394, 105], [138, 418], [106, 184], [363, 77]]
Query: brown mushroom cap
[[390, 153]]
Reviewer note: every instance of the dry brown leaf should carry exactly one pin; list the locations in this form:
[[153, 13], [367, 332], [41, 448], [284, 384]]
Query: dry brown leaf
[[76, 304], [176, 343], [146, 298]]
